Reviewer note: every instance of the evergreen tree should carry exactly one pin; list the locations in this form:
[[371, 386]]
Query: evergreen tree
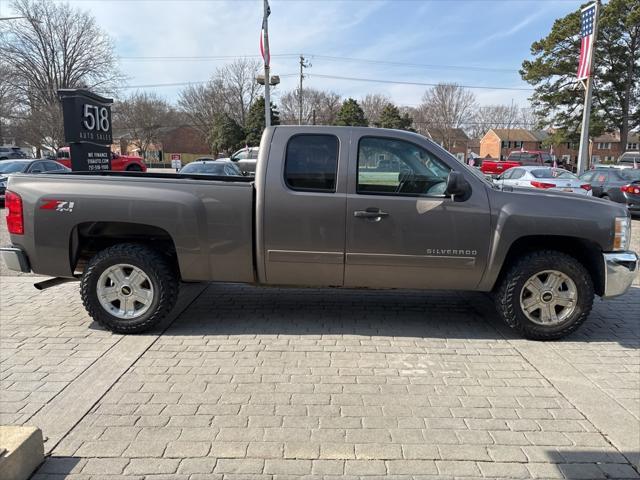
[[616, 92], [226, 134], [351, 114], [255, 121], [390, 117]]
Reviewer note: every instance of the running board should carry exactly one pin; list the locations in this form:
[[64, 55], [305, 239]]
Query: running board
[[53, 282]]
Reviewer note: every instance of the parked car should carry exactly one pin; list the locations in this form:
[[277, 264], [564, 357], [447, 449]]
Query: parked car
[[211, 167], [516, 159], [629, 160], [8, 153], [544, 178], [317, 215], [119, 162], [9, 167], [617, 185], [246, 158]]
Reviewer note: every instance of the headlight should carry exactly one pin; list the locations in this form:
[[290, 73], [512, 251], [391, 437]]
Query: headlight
[[622, 235]]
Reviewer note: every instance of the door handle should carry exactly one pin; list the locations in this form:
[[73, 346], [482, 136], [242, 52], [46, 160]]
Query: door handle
[[374, 214]]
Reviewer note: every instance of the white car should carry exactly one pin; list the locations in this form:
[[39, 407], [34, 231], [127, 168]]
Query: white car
[[544, 178]]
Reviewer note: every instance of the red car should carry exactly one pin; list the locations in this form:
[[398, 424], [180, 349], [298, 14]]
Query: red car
[[516, 159], [118, 162]]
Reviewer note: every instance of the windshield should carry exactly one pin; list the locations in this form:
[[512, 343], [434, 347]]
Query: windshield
[[633, 175], [12, 167], [210, 169], [553, 173]]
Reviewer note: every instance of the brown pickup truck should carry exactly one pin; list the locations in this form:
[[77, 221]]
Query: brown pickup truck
[[322, 213]]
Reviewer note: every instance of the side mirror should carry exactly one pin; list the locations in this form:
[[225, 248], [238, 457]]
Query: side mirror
[[457, 185]]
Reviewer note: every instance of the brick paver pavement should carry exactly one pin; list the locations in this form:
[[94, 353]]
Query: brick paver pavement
[[268, 383]]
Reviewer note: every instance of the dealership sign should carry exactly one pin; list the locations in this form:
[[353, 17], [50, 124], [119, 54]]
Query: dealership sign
[[87, 129]]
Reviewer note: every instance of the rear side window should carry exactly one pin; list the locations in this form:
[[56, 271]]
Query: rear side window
[[311, 163], [517, 173]]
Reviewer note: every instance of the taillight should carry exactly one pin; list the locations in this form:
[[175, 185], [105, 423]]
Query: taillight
[[586, 187], [13, 204], [542, 184], [635, 189]]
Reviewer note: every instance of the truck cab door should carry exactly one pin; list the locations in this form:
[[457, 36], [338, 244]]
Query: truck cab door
[[402, 231], [304, 205]]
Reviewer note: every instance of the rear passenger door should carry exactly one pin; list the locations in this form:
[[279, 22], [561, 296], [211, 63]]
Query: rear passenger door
[[304, 208]]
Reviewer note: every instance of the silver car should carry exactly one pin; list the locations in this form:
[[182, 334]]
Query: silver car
[[544, 178]]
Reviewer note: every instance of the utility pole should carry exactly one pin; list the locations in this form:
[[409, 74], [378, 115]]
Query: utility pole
[[583, 151], [264, 44], [303, 65]]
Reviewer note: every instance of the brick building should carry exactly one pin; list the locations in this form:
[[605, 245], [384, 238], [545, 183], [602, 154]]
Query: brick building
[[607, 147], [458, 141], [185, 140], [500, 142]]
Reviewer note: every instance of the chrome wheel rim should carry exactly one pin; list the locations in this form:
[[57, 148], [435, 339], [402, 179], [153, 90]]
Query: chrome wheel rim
[[548, 297], [125, 291]]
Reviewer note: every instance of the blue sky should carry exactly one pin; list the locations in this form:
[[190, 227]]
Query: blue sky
[[465, 34]]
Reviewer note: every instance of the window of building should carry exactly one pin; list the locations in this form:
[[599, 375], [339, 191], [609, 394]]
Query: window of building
[[603, 146], [394, 167], [311, 163], [632, 146]]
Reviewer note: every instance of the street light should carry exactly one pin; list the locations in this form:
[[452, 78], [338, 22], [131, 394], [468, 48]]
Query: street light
[[273, 81]]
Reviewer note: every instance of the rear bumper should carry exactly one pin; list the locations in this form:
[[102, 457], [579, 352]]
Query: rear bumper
[[15, 259], [620, 270]]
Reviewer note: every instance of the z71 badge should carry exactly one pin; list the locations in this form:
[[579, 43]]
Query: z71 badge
[[57, 205]]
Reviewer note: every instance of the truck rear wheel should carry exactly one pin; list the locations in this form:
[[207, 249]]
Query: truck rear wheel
[[545, 295], [128, 288]]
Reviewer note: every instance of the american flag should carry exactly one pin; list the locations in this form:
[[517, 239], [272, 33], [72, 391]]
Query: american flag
[[267, 59], [587, 30]]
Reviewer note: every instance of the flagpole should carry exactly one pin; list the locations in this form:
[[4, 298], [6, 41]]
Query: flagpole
[[267, 78], [583, 151]]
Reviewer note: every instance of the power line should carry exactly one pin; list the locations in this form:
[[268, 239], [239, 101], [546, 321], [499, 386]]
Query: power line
[[322, 57], [180, 84], [408, 64], [422, 84], [198, 57]]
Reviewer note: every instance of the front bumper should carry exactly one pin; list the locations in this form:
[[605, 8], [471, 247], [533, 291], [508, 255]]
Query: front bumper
[[15, 259], [620, 270]]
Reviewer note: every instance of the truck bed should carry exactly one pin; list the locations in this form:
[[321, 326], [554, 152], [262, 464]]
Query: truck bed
[[208, 219]]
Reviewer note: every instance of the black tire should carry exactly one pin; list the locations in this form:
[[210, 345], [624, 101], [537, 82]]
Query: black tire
[[134, 168], [606, 197], [156, 267], [508, 294]]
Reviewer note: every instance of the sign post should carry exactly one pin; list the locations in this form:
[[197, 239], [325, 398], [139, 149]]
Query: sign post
[[87, 129], [176, 161]]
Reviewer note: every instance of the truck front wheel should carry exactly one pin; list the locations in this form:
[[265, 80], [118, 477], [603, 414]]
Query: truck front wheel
[[128, 288], [545, 295]]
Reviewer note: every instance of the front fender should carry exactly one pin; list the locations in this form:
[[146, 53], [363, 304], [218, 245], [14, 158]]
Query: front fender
[[548, 217]]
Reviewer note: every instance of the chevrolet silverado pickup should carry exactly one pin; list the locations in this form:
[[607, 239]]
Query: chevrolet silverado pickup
[[320, 213]]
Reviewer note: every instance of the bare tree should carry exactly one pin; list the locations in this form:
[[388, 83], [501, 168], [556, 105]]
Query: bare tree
[[203, 105], [317, 105], [55, 46], [372, 105], [143, 116], [493, 116], [241, 88], [8, 105], [446, 107]]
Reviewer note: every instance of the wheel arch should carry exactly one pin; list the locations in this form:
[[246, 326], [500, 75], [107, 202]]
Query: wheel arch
[[587, 252], [88, 238]]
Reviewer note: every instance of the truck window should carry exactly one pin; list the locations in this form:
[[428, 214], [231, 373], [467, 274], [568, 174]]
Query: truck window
[[311, 163], [394, 167]]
